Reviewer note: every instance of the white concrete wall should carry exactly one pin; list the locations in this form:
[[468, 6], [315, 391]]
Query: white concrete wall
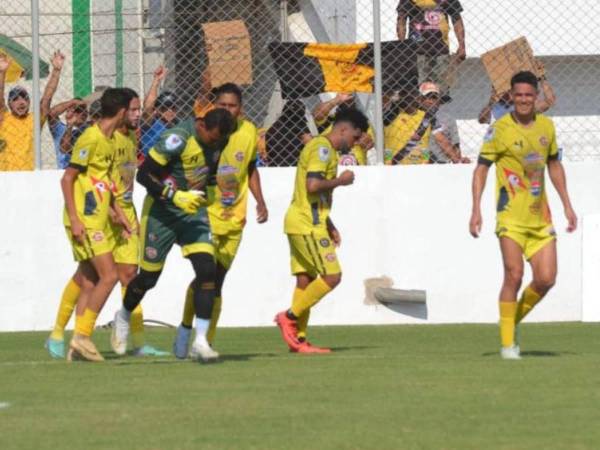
[[409, 223]]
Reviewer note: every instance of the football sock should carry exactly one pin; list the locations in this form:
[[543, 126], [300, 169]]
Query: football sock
[[303, 319], [65, 309], [136, 323], [201, 330], [84, 325], [529, 298], [214, 319], [314, 292], [188, 308], [507, 323]]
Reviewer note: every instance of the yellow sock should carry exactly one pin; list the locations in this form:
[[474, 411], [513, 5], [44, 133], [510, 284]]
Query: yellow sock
[[507, 323], [214, 319], [188, 308], [84, 324], [314, 292], [136, 322], [529, 298], [67, 304], [302, 319]]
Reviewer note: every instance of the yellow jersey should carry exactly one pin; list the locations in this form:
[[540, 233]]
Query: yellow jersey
[[123, 173], [93, 154], [227, 212], [16, 142], [310, 211], [401, 131], [520, 154]]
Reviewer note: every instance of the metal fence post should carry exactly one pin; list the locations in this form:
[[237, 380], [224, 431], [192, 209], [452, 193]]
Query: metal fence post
[[35, 97], [379, 143]]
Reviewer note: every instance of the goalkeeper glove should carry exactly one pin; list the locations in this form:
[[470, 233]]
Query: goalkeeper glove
[[189, 201]]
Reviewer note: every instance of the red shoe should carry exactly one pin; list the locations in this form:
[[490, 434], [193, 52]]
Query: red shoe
[[289, 330], [307, 347]]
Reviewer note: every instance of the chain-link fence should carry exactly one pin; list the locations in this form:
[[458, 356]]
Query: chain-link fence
[[447, 42]]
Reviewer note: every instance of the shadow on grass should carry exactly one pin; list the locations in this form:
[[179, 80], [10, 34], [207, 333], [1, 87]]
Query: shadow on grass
[[349, 349], [535, 354], [246, 356]]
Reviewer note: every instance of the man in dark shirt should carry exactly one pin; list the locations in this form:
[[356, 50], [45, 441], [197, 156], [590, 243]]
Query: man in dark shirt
[[428, 22]]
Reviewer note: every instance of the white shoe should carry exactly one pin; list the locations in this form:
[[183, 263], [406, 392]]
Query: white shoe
[[119, 334], [203, 352], [182, 342], [510, 352]]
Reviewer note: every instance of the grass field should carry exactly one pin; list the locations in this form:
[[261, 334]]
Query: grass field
[[385, 387]]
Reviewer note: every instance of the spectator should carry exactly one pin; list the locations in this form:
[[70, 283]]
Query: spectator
[[71, 134], [428, 27], [75, 121], [324, 115], [409, 123], [16, 127], [159, 112], [499, 105], [288, 134]]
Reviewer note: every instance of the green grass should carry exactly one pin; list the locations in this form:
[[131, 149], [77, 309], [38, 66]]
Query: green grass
[[385, 387]]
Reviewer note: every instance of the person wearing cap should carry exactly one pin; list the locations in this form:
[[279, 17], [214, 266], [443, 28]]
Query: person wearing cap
[[429, 24], [409, 123], [16, 129], [159, 112], [75, 121], [71, 133], [431, 99]]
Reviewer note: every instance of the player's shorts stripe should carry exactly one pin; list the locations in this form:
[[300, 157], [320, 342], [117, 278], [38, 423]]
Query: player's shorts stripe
[[315, 261], [317, 256]]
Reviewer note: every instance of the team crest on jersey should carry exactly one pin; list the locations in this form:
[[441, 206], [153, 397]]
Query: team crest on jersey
[[239, 156], [172, 142], [98, 236], [324, 154], [330, 257], [151, 252], [489, 134], [324, 243], [544, 141], [348, 160]]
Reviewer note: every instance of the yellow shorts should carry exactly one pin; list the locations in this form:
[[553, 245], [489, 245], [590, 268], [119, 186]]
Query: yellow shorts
[[313, 254], [96, 243], [226, 247], [531, 240], [126, 251]]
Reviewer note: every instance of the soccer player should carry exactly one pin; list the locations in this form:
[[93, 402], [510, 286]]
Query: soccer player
[[176, 174], [86, 186], [522, 144], [311, 232], [227, 213]]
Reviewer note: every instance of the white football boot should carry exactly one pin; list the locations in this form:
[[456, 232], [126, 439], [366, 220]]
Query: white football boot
[[510, 352], [119, 334], [203, 352]]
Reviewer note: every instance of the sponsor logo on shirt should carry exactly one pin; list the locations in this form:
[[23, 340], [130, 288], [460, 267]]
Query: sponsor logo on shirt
[[544, 141], [239, 156], [151, 252], [173, 142], [83, 153], [348, 160], [98, 236], [330, 257]]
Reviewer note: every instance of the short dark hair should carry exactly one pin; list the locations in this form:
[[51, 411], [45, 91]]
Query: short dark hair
[[354, 117], [131, 93], [228, 88], [112, 101], [219, 118], [524, 76]]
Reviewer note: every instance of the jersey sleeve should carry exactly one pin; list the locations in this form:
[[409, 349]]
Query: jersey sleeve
[[490, 150], [170, 144], [453, 9], [319, 158], [83, 151]]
